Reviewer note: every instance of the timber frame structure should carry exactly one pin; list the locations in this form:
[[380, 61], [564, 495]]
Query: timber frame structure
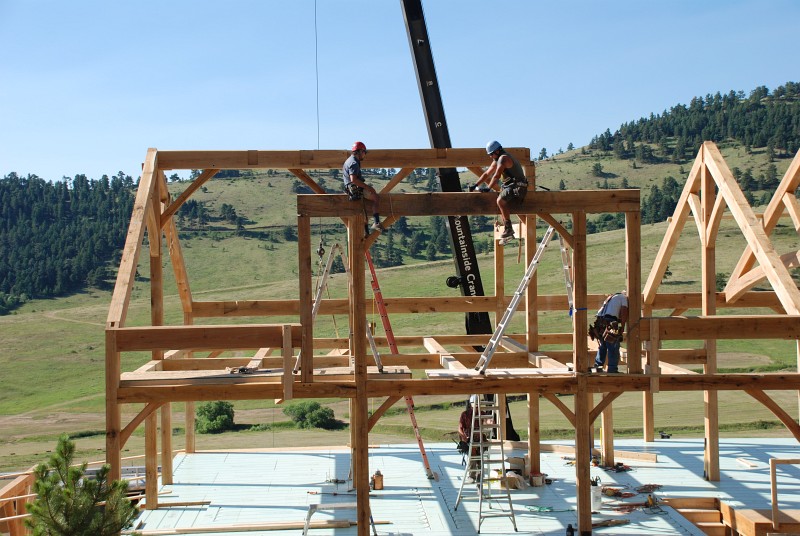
[[174, 374]]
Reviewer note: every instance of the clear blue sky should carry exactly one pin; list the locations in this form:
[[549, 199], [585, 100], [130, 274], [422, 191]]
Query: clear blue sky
[[88, 86]]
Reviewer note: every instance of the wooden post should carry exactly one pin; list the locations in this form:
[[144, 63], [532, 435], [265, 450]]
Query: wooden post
[[189, 412], [151, 461], [531, 293], [709, 307], [648, 409], [633, 263], [358, 326], [157, 319], [113, 412], [532, 338], [579, 318], [583, 456], [534, 437], [499, 279], [288, 363], [607, 434], [583, 425], [306, 297]]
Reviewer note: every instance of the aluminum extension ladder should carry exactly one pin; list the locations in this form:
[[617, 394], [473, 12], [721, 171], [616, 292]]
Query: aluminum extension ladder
[[323, 284], [487, 462], [387, 328], [490, 349], [566, 262]]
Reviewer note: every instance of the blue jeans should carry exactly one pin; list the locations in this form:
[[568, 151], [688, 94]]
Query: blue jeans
[[610, 350]]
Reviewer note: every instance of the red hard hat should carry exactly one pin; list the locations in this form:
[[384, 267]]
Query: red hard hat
[[358, 146]]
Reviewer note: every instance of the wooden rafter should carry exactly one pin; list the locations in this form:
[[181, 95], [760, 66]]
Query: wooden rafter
[[670, 240], [773, 267], [752, 229], [784, 197], [133, 241]]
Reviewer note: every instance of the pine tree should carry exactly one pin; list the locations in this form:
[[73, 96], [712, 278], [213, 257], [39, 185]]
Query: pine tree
[[69, 503]]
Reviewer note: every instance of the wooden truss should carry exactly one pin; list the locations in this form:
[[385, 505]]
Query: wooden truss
[[175, 374]]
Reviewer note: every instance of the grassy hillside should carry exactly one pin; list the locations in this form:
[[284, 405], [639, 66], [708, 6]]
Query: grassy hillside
[[53, 351]]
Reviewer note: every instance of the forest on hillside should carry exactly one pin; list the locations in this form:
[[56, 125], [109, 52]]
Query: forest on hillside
[[58, 238], [762, 119]]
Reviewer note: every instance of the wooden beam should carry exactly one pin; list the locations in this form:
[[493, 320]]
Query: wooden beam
[[560, 229], [307, 180], [670, 240], [305, 296], [170, 211], [398, 177], [783, 193], [450, 304], [241, 336], [133, 243], [692, 300], [288, 362], [453, 204], [788, 421], [753, 231], [723, 327], [568, 413], [755, 275], [697, 213], [328, 159], [236, 389], [378, 413], [633, 263], [580, 323]]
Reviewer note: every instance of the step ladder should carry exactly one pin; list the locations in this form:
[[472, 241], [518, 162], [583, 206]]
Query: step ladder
[[500, 330], [387, 328], [487, 464]]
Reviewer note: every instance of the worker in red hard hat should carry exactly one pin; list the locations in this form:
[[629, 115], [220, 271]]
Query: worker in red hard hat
[[513, 185], [355, 186]]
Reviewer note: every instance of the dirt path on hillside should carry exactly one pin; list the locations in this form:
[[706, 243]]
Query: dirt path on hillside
[[25, 418]]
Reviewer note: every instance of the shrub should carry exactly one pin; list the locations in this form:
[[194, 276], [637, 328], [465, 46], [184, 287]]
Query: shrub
[[214, 417], [70, 503], [310, 414]]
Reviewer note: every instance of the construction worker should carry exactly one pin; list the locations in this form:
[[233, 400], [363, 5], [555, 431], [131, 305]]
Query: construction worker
[[609, 326], [513, 186], [355, 186], [466, 422]]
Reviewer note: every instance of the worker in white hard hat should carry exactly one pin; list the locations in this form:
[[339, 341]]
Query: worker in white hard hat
[[513, 185]]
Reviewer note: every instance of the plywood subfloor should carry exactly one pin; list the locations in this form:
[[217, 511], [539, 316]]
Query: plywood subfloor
[[270, 486]]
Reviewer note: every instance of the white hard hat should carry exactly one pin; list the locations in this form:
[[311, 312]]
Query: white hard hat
[[492, 146]]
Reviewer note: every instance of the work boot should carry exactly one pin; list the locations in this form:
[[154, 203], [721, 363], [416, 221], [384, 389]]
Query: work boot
[[377, 227], [508, 233]]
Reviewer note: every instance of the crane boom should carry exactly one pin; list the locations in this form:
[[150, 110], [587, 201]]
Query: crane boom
[[466, 262]]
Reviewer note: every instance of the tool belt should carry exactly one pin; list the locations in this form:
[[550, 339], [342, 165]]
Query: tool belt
[[515, 189], [354, 192], [605, 329]]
